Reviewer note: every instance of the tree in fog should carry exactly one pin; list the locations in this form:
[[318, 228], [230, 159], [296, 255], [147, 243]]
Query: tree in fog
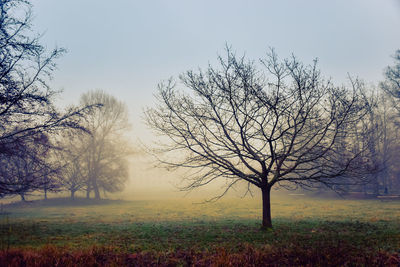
[[389, 143], [392, 80], [281, 124], [391, 85], [73, 179], [27, 167], [73, 175], [379, 138], [26, 101], [104, 150], [372, 140]]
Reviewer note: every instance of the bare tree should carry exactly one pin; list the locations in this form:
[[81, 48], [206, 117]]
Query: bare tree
[[26, 168], [379, 138], [391, 85], [72, 176], [73, 180], [392, 80], [282, 124], [26, 101], [373, 140], [105, 149]]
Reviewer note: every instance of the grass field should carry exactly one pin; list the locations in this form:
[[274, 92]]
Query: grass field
[[319, 231]]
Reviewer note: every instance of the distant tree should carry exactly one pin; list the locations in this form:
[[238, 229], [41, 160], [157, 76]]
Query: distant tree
[[26, 101], [73, 174], [391, 85], [373, 141], [392, 80], [26, 168], [284, 125], [49, 181], [72, 178], [105, 149], [379, 140], [392, 182], [49, 184]]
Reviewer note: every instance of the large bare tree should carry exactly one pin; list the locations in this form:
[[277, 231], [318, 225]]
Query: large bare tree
[[267, 123]]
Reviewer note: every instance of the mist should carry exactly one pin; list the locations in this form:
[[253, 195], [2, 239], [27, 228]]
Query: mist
[[199, 133]]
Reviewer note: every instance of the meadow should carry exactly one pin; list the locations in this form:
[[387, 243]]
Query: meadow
[[185, 232]]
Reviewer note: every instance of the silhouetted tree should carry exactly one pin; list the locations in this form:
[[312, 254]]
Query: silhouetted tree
[[283, 125], [27, 167], [26, 101]]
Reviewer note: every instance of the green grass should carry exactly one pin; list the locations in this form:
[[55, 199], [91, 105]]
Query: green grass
[[181, 224]]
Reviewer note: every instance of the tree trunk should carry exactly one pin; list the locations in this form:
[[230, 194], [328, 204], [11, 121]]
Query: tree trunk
[[72, 194], [376, 185], [88, 193], [266, 208], [96, 192], [45, 193], [22, 197], [96, 189]]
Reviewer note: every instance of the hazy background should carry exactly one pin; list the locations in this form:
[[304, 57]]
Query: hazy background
[[127, 47]]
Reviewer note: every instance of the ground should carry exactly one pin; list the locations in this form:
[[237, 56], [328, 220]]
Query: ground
[[184, 232]]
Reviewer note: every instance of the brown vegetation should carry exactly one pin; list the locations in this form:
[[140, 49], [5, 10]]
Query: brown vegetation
[[246, 255]]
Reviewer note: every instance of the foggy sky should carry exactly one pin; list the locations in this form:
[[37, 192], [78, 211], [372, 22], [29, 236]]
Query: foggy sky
[[127, 47]]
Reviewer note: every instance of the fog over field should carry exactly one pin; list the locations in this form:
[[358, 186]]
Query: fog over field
[[199, 133]]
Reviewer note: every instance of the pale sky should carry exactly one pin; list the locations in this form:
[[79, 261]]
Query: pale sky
[[127, 47]]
